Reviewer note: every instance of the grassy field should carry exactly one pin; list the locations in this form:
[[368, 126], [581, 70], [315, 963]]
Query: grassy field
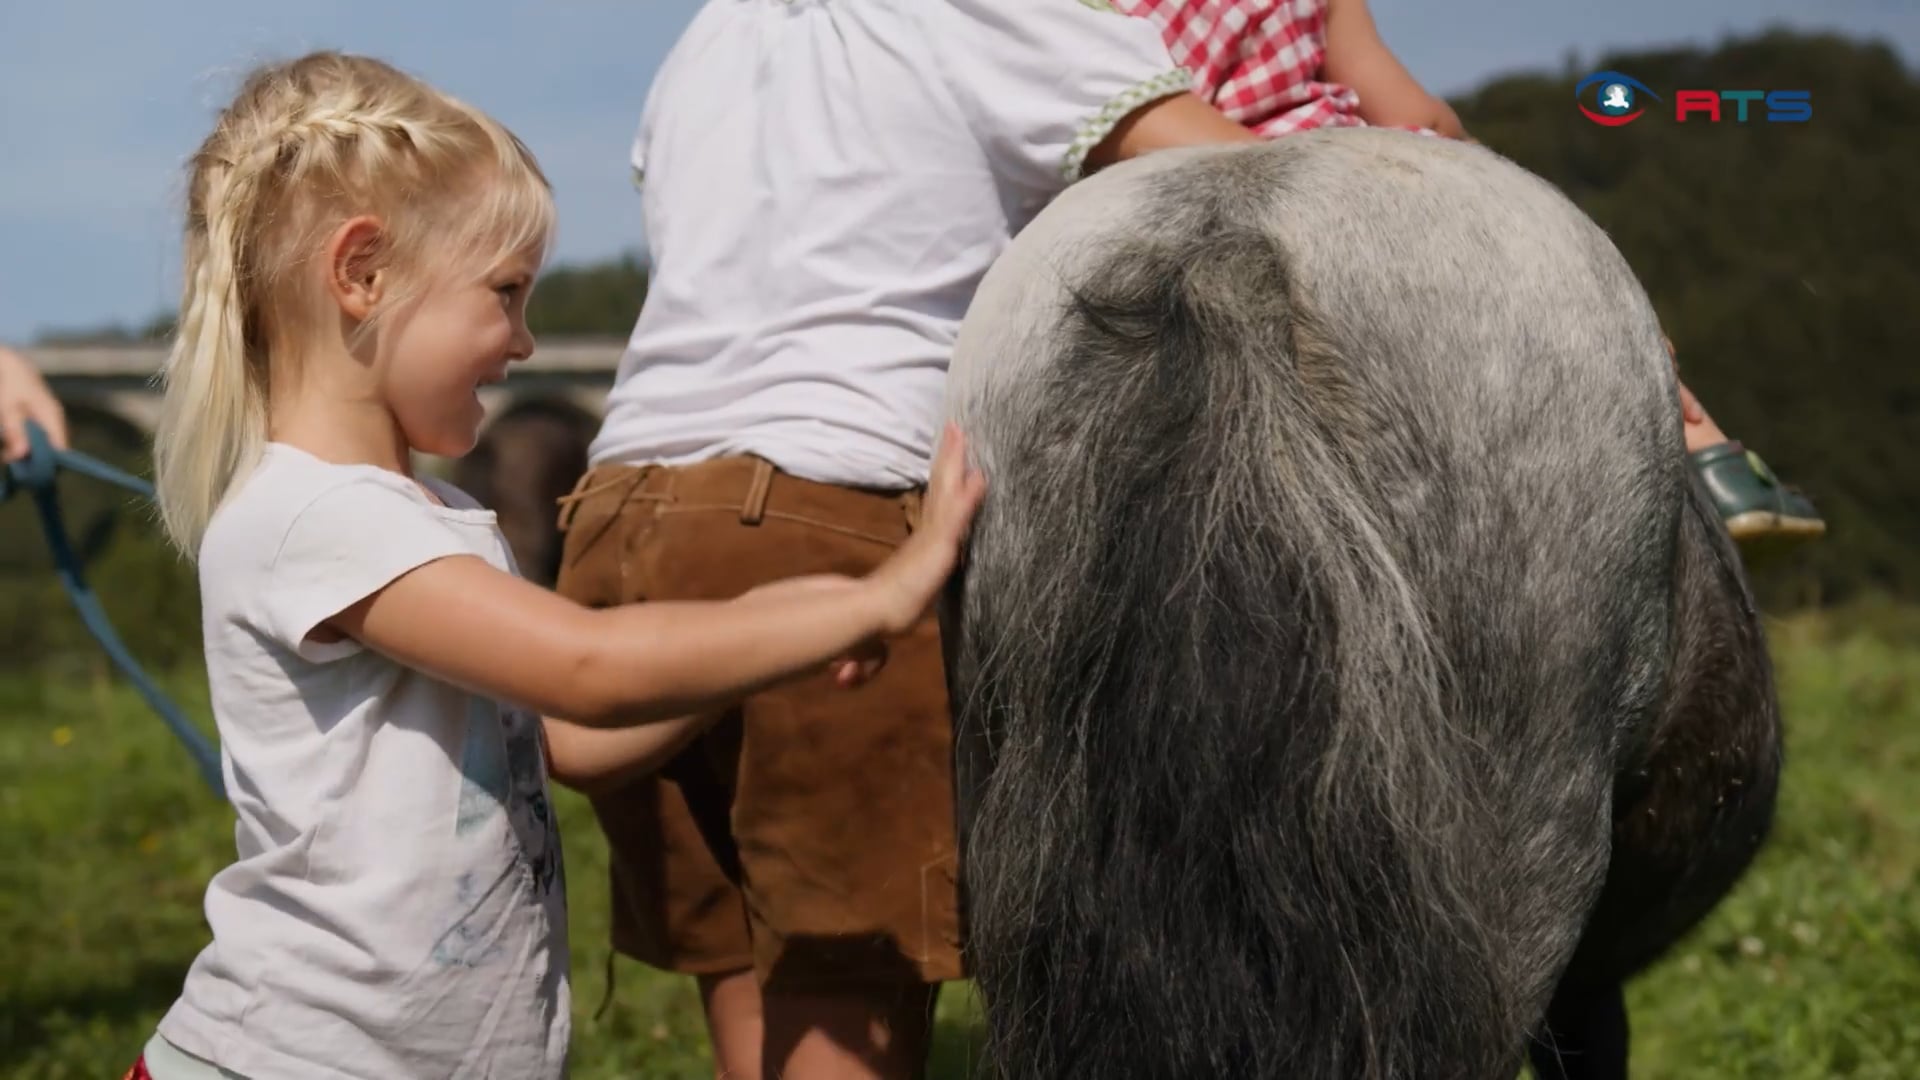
[[1812, 969]]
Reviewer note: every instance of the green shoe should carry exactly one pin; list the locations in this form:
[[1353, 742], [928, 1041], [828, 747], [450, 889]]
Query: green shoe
[[1751, 500]]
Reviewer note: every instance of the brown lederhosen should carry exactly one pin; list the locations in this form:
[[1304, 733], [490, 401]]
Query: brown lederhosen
[[809, 833]]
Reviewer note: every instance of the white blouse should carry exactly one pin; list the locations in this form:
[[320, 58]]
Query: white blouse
[[824, 184]]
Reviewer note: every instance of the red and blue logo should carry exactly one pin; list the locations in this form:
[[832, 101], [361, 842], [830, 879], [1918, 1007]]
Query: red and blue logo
[[1618, 102]]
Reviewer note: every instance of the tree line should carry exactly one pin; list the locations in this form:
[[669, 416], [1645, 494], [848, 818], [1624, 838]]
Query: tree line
[[1783, 261]]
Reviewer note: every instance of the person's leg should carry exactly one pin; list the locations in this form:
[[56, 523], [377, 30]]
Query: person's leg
[[798, 1035], [735, 1023], [1700, 430], [1752, 502], [876, 1034], [674, 871], [838, 817], [844, 819]]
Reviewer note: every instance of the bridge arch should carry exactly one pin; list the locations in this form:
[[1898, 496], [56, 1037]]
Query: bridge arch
[[531, 451]]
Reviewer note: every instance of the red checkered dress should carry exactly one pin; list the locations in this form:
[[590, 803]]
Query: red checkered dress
[[1257, 61]]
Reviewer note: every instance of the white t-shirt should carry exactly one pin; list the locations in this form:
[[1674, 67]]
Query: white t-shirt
[[397, 908], [824, 184]]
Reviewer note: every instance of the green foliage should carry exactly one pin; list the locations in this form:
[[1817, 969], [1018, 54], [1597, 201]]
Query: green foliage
[[1782, 260], [150, 594], [108, 840], [1808, 971], [158, 328], [600, 300], [1781, 257]]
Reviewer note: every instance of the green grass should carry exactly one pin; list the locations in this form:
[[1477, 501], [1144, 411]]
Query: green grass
[[1811, 969]]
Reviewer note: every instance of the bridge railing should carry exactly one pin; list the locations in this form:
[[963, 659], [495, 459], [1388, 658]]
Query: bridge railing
[[565, 356]]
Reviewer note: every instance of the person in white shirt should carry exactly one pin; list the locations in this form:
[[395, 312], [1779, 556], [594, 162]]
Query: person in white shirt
[[824, 184], [359, 253]]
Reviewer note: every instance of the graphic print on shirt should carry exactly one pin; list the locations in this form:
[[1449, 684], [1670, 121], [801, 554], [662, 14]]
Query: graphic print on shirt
[[483, 765], [502, 772], [532, 815]]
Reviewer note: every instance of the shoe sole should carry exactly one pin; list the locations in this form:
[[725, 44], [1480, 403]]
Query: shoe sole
[[1758, 523]]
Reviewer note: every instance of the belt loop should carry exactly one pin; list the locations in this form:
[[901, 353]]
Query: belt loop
[[755, 506], [570, 502]]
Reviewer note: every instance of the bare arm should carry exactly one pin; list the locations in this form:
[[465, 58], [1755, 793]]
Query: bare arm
[[461, 620], [469, 624], [1179, 120], [1389, 94], [592, 760]]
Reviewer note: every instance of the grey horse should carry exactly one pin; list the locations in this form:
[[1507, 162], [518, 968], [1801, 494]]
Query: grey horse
[[1349, 679]]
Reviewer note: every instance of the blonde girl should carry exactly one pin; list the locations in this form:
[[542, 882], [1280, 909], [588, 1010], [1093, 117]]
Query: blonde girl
[[359, 253]]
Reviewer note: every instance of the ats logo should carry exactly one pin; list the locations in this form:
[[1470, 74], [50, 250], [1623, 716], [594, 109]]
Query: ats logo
[[1617, 102]]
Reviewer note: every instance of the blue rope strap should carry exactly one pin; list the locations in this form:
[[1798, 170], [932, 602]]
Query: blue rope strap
[[37, 474]]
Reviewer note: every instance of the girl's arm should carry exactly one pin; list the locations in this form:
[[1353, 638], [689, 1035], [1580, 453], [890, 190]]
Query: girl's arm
[[1389, 94], [463, 621], [592, 760]]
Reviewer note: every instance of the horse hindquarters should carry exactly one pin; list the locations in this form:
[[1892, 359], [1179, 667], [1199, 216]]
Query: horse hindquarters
[[1692, 807], [1311, 595]]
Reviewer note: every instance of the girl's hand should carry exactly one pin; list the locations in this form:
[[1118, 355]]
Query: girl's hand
[[908, 582], [24, 396]]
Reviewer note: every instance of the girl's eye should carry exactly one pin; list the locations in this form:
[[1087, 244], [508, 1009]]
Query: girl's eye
[[508, 292]]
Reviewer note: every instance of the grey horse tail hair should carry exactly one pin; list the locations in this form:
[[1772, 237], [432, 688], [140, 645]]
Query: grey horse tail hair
[[1228, 807]]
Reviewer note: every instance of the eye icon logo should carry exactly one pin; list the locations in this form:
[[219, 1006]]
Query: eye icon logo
[[1617, 99]]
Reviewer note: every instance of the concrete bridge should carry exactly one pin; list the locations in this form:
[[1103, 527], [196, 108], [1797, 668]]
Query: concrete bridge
[[531, 452], [119, 380]]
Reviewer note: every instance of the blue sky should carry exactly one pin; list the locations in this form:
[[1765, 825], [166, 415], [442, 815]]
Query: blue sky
[[101, 101]]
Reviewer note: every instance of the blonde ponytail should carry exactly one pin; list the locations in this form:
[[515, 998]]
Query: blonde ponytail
[[213, 413], [303, 146]]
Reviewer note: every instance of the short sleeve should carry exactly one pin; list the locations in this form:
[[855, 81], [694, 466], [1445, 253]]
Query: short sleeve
[[350, 542], [1045, 81]]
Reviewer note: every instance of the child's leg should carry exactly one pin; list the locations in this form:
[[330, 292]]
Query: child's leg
[[1699, 428], [736, 1023], [1751, 500], [872, 1035]]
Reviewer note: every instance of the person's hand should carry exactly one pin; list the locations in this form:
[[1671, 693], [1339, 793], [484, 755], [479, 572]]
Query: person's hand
[[1447, 122], [867, 658], [24, 396], [910, 580]]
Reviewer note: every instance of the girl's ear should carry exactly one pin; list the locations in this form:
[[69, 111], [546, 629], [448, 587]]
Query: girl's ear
[[355, 254]]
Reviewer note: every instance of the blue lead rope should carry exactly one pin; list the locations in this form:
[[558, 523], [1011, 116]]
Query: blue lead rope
[[37, 475]]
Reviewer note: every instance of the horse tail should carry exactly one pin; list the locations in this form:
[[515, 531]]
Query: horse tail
[[1239, 797]]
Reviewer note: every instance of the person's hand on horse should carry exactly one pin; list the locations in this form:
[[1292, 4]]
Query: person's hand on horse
[[901, 589], [909, 581], [24, 396]]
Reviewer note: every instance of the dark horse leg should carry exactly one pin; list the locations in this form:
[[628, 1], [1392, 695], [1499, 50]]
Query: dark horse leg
[[525, 462], [1692, 805]]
